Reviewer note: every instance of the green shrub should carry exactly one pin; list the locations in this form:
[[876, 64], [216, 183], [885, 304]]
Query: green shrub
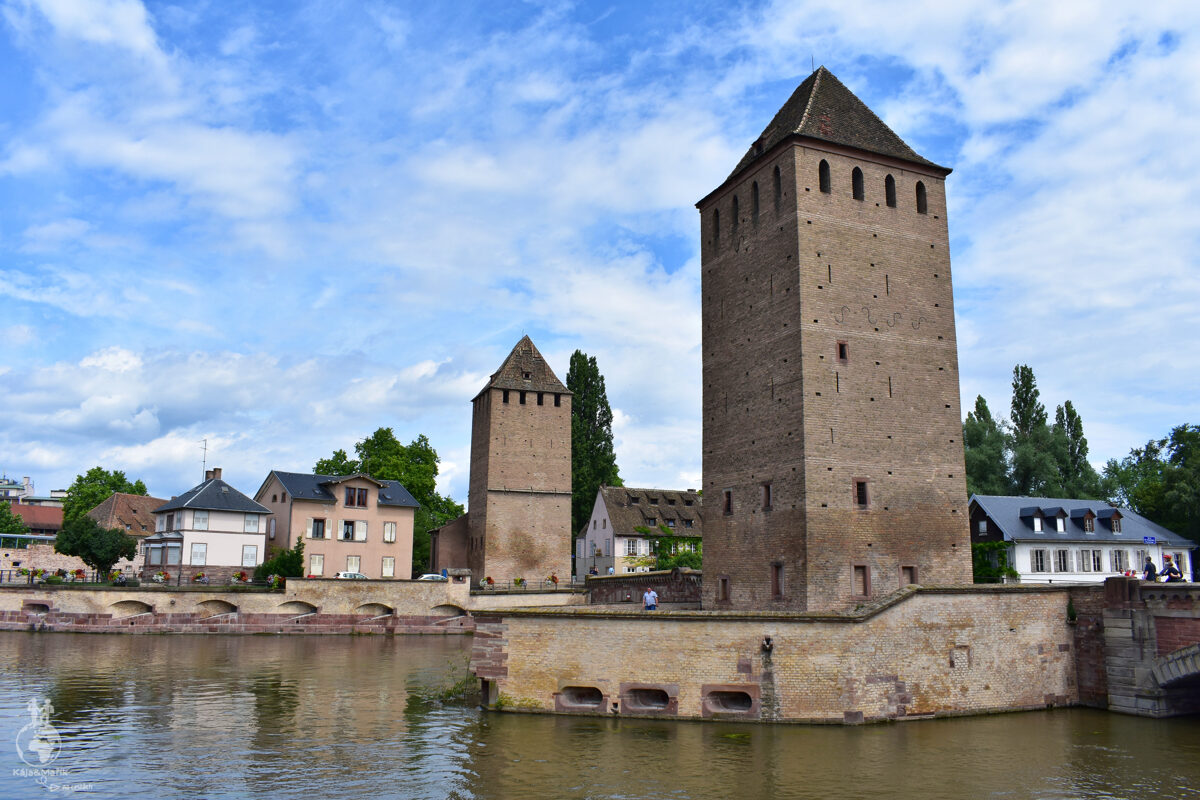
[[54, 579]]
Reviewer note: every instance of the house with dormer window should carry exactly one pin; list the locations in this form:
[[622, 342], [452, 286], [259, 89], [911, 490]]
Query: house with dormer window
[[625, 524], [349, 523], [1056, 540]]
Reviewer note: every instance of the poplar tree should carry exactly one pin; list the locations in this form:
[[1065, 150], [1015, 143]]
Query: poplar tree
[[1034, 465], [985, 451], [593, 460], [1076, 475]]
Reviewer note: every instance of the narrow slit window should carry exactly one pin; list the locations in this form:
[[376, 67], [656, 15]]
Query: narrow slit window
[[861, 496], [922, 203], [522, 398], [778, 189], [889, 191], [766, 496], [727, 501], [856, 179], [754, 202], [557, 399], [540, 398], [734, 224], [843, 351], [777, 580], [823, 176], [717, 228]]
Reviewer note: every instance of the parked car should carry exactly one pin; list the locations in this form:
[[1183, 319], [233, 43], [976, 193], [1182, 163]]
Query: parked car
[[353, 576], [433, 576]]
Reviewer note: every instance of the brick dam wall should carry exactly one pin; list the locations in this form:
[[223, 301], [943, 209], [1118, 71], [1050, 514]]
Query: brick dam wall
[[922, 652]]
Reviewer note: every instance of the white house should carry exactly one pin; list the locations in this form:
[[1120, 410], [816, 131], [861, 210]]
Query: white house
[[1056, 540], [610, 540], [212, 525]]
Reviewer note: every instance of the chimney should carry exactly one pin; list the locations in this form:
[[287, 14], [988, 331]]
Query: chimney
[[216, 473], [208, 474]]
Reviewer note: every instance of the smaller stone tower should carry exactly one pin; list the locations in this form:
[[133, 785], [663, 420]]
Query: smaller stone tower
[[519, 522]]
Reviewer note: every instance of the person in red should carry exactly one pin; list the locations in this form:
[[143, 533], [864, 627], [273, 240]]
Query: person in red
[[1171, 570]]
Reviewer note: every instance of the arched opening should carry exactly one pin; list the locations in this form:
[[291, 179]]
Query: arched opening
[[889, 191], [582, 697], [129, 608], [212, 608], [647, 700], [856, 180], [447, 610], [729, 702], [374, 609], [754, 202], [922, 204], [36, 608], [297, 607], [823, 176]]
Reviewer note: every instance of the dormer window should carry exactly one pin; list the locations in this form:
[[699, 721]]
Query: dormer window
[[1060, 525], [1037, 523], [1089, 524], [1116, 524]]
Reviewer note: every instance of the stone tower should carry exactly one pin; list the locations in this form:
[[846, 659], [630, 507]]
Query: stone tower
[[519, 521], [833, 461]]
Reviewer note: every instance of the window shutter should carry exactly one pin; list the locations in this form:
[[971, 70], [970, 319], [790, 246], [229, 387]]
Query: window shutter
[[308, 528], [360, 531]]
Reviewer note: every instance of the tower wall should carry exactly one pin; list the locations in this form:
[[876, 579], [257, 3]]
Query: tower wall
[[829, 360]]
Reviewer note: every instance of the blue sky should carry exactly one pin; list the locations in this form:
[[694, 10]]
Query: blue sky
[[280, 227]]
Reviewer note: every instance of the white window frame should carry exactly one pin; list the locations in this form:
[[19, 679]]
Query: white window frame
[[631, 547], [1060, 524], [199, 555], [1085, 560], [316, 564], [311, 525], [200, 520], [353, 563], [1118, 559], [360, 530], [1037, 523], [387, 568], [1062, 560], [1039, 560], [249, 555], [251, 524], [389, 532]]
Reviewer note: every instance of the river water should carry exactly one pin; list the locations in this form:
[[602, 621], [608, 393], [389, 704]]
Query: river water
[[362, 717]]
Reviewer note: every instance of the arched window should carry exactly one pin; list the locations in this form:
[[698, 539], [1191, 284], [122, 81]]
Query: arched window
[[754, 202], [735, 217], [717, 228], [856, 179], [823, 174], [889, 190], [778, 189], [922, 204]]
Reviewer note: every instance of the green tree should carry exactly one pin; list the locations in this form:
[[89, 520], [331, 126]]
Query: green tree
[[97, 547], [668, 551], [986, 452], [1036, 453], [593, 459], [11, 524], [288, 563], [1077, 477], [93, 488], [1161, 481], [415, 465]]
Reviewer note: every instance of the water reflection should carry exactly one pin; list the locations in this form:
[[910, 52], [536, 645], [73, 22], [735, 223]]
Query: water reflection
[[346, 717]]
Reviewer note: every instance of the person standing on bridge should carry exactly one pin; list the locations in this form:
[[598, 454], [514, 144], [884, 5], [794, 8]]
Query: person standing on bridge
[[1171, 570], [1149, 573]]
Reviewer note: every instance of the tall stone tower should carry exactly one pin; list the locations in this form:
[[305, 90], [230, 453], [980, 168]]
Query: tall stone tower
[[519, 521], [833, 461]]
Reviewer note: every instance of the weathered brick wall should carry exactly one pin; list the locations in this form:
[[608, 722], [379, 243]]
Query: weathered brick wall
[[781, 407], [673, 586], [42, 556], [925, 653], [1091, 675], [1174, 633]]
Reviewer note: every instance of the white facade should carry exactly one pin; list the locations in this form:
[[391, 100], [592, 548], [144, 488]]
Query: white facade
[[205, 538], [1089, 562]]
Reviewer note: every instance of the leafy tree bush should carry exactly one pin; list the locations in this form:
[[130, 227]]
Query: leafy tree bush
[[10, 523], [93, 488], [288, 563], [97, 547]]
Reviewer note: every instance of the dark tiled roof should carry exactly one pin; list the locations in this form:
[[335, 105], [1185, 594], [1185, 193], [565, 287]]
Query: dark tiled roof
[[629, 508], [127, 512], [525, 360], [214, 495], [823, 108], [1012, 516], [321, 488]]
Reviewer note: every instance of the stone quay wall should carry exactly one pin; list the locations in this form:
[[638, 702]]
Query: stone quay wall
[[305, 606], [673, 586], [922, 652]]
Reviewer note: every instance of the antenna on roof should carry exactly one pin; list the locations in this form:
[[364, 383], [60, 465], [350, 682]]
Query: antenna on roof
[[812, 59], [204, 458]]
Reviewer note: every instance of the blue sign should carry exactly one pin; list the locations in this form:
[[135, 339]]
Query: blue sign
[[1149, 540]]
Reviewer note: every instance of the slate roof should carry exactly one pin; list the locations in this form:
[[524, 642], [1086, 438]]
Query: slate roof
[[629, 507], [1012, 515], [214, 495], [823, 108], [525, 360], [133, 513], [322, 488]]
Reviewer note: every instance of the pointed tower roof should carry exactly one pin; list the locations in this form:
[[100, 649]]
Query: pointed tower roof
[[823, 108], [525, 369]]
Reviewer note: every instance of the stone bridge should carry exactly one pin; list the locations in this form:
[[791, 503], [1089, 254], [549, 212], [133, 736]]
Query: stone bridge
[[1152, 647]]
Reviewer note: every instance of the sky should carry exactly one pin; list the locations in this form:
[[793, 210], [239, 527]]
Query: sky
[[268, 229]]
